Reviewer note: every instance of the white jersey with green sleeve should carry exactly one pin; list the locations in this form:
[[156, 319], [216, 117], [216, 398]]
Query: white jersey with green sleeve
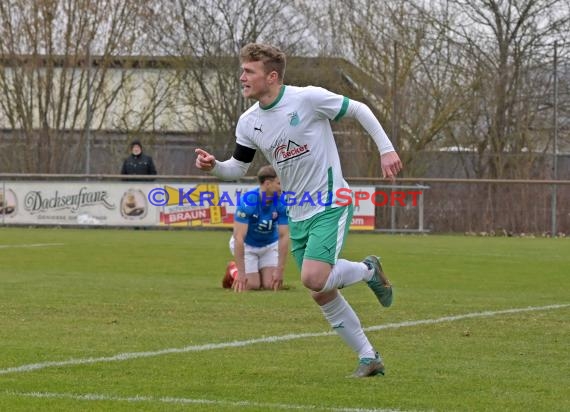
[[295, 136]]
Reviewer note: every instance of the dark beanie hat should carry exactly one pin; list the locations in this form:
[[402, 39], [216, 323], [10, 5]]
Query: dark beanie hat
[[136, 143]]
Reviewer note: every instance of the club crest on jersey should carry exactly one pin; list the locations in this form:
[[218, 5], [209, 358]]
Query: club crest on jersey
[[291, 150], [294, 119]]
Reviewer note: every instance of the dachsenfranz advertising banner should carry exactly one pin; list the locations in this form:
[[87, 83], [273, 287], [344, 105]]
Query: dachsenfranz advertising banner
[[76, 203]]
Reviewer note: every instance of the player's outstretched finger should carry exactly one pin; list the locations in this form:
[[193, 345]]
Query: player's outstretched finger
[[201, 152]]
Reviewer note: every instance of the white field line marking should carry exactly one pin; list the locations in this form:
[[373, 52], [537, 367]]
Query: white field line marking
[[31, 245], [187, 401], [269, 339]]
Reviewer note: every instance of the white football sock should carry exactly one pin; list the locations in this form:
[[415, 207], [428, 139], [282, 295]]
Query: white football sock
[[345, 322], [345, 273]]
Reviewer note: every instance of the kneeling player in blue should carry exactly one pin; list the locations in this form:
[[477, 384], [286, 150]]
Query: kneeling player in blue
[[260, 241]]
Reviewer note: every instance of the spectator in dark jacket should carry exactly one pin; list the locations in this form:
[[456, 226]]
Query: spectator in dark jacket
[[138, 163]]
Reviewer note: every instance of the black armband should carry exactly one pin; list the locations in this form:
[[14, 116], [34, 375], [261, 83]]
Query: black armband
[[243, 153]]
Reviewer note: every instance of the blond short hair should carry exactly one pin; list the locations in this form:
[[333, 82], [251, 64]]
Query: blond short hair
[[273, 59]]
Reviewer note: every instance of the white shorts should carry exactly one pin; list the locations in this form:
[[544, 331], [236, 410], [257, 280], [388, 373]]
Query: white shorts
[[257, 258]]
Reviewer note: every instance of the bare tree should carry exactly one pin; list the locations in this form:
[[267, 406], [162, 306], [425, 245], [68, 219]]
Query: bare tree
[[53, 54], [412, 62], [509, 78], [457, 74], [205, 36]]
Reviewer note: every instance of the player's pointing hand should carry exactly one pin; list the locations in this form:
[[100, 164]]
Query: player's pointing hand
[[205, 161]]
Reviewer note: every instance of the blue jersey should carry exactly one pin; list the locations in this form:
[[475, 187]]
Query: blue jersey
[[262, 218]]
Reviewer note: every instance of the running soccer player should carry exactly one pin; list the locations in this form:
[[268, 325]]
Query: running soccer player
[[291, 127]]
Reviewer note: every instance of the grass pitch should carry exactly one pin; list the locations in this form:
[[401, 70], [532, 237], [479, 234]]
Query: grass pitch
[[79, 298]]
